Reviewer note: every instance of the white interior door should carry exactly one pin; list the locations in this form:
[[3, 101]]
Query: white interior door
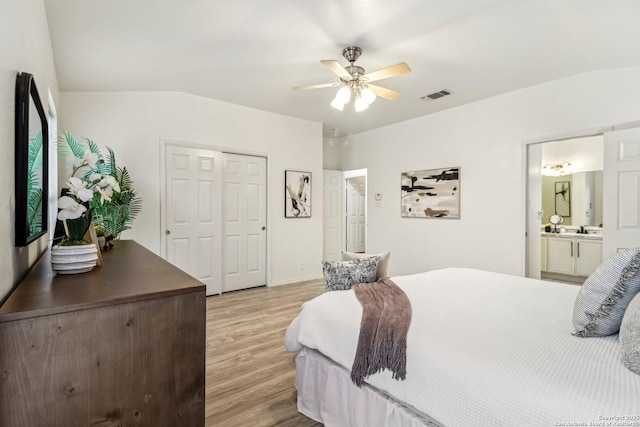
[[356, 214], [245, 220], [332, 219], [192, 213], [621, 191], [534, 210]]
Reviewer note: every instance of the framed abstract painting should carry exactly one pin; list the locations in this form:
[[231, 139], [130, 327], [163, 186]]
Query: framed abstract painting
[[297, 194], [432, 193], [563, 198]]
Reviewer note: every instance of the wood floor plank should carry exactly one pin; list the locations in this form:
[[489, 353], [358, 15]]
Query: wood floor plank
[[249, 374]]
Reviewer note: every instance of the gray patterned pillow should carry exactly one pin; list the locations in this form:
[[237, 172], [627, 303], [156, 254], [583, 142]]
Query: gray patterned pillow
[[606, 294], [383, 263], [342, 275], [630, 336]]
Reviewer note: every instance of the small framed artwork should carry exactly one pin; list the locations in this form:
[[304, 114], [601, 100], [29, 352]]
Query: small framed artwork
[[563, 198], [297, 194], [431, 193]]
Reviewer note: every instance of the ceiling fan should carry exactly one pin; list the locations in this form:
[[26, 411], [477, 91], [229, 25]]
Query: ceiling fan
[[355, 83]]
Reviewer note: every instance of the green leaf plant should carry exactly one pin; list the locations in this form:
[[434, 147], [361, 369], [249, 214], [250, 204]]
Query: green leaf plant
[[115, 204]]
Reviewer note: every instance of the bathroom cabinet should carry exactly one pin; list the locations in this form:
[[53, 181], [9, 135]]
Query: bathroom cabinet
[[572, 255]]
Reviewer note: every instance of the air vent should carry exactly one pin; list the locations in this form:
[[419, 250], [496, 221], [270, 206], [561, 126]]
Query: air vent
[[435, 95]]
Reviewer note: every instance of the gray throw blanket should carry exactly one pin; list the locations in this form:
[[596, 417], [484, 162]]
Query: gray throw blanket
[[382, 344]]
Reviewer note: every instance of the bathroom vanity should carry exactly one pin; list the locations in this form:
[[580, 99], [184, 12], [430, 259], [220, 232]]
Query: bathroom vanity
[[571, 254]]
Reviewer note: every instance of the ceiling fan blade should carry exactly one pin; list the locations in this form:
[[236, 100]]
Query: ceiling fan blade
[[337, 68], [394, 70], [320, 86], [383, 92]]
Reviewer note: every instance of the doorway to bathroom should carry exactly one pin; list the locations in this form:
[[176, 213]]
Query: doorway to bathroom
[[583, 201], [565, 192]]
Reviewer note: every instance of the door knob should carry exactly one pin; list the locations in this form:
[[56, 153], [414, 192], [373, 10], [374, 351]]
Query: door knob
[[264, 228], [167, 232]]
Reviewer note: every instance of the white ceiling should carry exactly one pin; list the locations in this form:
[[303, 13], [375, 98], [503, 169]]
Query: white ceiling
[[252, 52]]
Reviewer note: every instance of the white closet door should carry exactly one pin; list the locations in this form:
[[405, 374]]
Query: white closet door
[[621, 191], [245, 220], [332, 221], [192, 213]]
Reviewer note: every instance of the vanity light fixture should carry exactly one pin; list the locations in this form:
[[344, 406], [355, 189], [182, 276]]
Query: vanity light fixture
[[557, 169]]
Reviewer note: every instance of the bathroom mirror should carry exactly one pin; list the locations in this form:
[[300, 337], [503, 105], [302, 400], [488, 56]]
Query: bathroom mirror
[[31, 162], [582, 197]]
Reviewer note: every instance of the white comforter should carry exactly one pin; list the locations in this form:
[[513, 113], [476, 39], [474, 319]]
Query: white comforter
[[486, 349]]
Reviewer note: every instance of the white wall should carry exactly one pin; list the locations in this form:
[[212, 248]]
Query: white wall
[[134, 124], [584, 154], [25, 46], [486, 139], [330, 153]]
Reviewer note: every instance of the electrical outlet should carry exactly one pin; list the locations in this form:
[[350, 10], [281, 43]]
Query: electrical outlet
[[302, 266]]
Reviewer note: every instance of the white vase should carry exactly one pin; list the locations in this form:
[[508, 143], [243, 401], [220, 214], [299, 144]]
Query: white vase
[[74, 259]]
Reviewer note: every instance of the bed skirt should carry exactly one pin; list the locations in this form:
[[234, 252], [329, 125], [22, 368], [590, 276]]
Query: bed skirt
[[327, 395]]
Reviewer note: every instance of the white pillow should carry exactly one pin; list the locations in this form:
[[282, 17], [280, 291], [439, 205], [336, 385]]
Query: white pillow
[[605, 295], [630, 336], [383, 262]]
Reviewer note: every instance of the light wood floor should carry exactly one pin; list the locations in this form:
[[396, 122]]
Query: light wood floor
[[249, 374]]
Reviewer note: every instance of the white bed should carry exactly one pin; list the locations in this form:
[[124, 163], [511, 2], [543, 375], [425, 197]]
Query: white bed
[[483, 349]]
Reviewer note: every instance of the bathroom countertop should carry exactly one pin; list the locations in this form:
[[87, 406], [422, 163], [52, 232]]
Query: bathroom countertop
[[569, 235]]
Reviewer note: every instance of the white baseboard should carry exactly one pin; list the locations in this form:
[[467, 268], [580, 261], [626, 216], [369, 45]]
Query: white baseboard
[[296, 280]]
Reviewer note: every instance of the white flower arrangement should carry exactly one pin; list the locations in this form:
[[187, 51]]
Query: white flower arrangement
[[85, 191], [96, 183]]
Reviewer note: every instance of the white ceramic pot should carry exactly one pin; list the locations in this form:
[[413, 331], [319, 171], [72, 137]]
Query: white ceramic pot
[[74, 259]]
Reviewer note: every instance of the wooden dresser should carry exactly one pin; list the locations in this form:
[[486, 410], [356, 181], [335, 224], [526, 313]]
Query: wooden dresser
[[122, 345]]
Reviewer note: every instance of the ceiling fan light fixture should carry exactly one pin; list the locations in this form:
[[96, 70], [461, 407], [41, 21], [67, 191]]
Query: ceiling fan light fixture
[[343, 95], [354, 81], [368, 95], [337, 104], [361, 104]]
